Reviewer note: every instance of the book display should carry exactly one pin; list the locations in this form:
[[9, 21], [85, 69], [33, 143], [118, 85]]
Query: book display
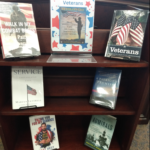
[[127, 34], [105, 88], [44, 132], [100, 132], [18, 30], [79, 101], [27, 87]]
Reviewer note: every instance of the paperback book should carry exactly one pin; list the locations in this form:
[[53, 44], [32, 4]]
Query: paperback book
[[100, 132], [127, 34], [44, 132], [72, 24], [105, 87], [27, 87], [18, 30]]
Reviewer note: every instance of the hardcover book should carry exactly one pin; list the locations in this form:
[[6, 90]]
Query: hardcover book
[[18, 30], [100, 132], [72, 24], [44, 132], [127, 34], [27, 87], [105, 87]]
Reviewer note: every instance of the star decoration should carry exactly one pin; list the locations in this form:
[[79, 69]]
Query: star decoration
[[55, 44], [91, 33], [84, 45], [91, 22], [57, 10], [53, 33], [55, 22], [88, 3], [87, 13], [64, 45], [75, 48]]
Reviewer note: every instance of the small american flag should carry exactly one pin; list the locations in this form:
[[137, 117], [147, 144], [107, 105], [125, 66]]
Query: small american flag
[[31, 90], [118, 25], [136, 32], [124, 32], [70, 13]]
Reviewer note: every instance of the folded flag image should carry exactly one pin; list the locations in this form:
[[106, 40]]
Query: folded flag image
[[31, 90]]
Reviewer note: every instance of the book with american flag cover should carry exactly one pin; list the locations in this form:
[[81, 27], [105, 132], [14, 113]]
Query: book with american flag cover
[[44, 132], [105, 87], [72, 25], [27, 87], [18, 30], [127, 34]]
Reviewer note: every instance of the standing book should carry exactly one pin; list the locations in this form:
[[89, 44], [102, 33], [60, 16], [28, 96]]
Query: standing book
[[72, 25], [27, 87], [18, 30], [127, 34], [44, 132], [100, 132], [105, 87]]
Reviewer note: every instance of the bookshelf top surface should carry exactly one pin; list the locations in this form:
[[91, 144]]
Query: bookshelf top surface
[[101, 62], [71, 106]]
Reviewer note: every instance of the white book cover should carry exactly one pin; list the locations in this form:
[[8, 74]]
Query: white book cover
[[27, 87], [18, 30], [72, 23], [44, 132]]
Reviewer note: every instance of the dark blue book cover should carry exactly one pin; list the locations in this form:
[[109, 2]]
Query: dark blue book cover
[[105, 87]]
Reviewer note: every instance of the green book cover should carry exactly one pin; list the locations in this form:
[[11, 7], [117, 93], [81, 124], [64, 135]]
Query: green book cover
[[100, 132]]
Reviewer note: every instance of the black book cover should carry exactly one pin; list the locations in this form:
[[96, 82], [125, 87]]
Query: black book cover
[[127, 34]]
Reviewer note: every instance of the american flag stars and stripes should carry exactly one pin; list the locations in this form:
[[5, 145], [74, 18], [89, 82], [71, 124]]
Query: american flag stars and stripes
[[31, 90], [136, 32], [125, 27], [118, 25], [26, 9], [124, 32]]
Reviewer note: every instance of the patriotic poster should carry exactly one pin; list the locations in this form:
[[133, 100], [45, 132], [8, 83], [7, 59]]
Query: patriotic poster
[[18, 30], [127, 34], [44, 132], [72, 25], [27, 87]]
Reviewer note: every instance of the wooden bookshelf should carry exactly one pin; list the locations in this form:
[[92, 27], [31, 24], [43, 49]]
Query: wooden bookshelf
[[67, 86]]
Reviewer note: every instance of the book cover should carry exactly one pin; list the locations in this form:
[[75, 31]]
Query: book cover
[[105, 87], [27, 87], [18, 30], [100, 132], [44, 132], [127, 34], [72, 24]]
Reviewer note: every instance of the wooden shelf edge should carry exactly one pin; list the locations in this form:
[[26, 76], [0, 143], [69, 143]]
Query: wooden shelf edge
[[101, 62], [70, 106]]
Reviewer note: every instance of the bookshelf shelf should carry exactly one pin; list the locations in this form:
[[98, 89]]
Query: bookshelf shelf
[[101, 62], [67, 86], [71, 106], [71, 135]]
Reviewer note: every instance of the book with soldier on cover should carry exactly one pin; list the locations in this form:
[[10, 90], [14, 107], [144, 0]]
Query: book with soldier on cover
[[18, 30], [27, 87], [105, 87], [72, 23], [44, 132], [127, 34], [100, 132]]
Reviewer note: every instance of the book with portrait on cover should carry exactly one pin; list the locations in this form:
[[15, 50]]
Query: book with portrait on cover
[[18, 30], [127, 34], [72, 23], [27, 87], [100, 132], [44, 132]]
